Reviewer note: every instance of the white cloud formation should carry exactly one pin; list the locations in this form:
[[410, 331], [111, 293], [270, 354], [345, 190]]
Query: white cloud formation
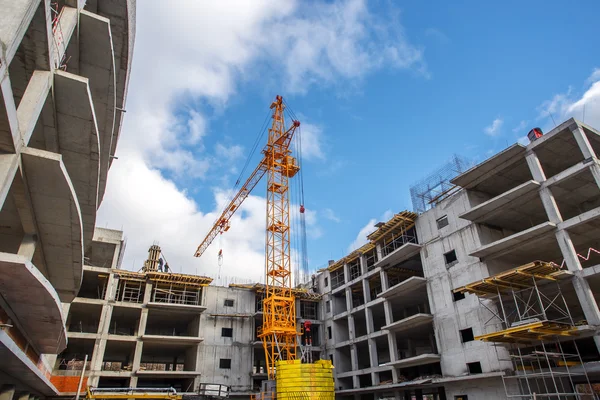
[[585, 108], [196, 53], [494, 128], [330, 215], [369, 228], [521, 127]]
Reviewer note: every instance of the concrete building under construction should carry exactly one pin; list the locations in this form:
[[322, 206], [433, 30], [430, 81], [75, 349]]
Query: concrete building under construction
[[488, 291], [64, 71]]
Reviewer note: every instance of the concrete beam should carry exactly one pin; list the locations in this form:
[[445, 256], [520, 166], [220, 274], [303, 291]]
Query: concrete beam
[[511, 242], [96, 62], [9, 163], [489, 167], [32, 103], [412, 322], [410, 285], [58, 219], [402, 253], [422, 359], [580, 219], [519, 194], [79, 143]]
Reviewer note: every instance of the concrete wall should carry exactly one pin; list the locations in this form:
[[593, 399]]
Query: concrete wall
[[237, 348]]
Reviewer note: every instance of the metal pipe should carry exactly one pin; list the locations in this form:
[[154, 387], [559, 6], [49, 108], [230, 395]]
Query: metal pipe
[[81, 377]]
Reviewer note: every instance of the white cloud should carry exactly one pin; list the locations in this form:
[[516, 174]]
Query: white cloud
[[197, 53], [330, 215], [312, 143], [521, 127], [585, 108], [369, 228], [494, 128]]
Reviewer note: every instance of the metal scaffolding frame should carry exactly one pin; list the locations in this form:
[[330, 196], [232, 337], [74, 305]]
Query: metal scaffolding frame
[[535, 322]]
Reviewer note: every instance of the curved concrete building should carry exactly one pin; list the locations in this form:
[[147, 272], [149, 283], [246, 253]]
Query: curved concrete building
[[64, 71]]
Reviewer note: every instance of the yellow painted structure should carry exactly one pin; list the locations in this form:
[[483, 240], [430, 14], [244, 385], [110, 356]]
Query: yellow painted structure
[[297, 381]]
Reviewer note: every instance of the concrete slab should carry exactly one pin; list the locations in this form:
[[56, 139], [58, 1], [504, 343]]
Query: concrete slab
[[406, 287], [407, 324], [486, 375], [580, 219], [402, 253], [16, 364], [96, 62], [164, 339], [508, 243], [168, 374], [16, 16], [423, 359], [40, 315], [177, 307], [489, 167], [78, 139], [521, 193], [58, 219]]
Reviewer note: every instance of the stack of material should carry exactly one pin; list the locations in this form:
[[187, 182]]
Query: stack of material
[[305, 381]]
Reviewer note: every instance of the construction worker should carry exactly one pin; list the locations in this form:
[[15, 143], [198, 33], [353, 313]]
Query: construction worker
[[160, 264]]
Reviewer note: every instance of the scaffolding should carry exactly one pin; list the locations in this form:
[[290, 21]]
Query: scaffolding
[[531, 319], [436, 186]]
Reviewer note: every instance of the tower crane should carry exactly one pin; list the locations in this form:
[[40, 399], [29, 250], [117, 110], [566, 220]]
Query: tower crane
[[278, 332]]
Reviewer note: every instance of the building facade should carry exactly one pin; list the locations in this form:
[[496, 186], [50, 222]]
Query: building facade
[[399, 323], [154, 329], [64, 69]]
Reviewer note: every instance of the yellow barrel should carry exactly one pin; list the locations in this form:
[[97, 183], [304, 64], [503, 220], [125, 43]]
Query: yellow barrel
[[297, 381]]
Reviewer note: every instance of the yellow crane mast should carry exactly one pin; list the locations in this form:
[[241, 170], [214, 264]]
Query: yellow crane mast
[[278, 332]]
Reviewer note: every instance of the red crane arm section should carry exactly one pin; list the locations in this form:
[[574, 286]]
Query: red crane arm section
[[222, 224]]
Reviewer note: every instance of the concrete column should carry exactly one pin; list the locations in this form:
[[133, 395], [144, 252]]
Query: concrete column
[[11, 112], [582, 142], [115, 258], [369, 320], [346, 274], [387, 309], [7, 392], [105, 317], [580, 284], [353, 357], [98, 355], [366, 291], [27, 247], [385, 283], [356, 385], [393, 346], [148, 293], [111, 287], [348, 298], [351, 328], [379, 251], [545, 194], [373, 353]]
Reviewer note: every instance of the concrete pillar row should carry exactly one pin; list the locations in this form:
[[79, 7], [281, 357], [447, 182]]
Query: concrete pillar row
[[7, 392]]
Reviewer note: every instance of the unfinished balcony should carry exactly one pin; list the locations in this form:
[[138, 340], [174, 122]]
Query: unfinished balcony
[[161, 360], [168, 327], [498, 174], [177, 291], [124, 321], [84, 319]]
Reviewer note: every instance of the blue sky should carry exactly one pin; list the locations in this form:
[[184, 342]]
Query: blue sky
[[386, 91]]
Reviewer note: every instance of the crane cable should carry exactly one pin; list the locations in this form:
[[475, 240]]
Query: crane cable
[[257, 141], [303, 243]]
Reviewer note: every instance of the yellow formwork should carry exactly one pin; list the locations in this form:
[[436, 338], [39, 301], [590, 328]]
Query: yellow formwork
[[297, 381]]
